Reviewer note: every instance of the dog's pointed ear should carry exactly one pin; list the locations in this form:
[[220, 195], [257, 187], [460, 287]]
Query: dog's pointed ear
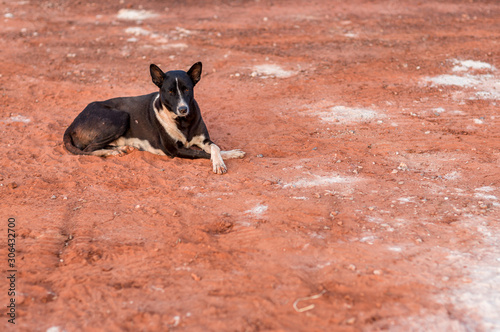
[[195, 72], [157, 75]]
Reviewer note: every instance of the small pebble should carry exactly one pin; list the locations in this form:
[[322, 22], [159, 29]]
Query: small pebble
[[260, 156]]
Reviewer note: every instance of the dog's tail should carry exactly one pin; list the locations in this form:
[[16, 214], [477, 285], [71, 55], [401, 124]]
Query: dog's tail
[[68, 144]]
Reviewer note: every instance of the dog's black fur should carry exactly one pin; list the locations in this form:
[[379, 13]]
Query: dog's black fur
[[167, 122]]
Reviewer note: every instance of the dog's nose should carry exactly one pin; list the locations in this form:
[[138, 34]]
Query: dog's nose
[[182, 110]]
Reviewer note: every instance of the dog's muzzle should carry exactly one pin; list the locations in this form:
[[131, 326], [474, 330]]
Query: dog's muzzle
[[182, 110]]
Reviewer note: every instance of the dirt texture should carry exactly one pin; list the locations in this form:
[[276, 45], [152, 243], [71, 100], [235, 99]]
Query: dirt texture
[[368, 199]]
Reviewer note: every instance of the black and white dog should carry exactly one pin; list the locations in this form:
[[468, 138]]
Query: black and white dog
[[167, 123]]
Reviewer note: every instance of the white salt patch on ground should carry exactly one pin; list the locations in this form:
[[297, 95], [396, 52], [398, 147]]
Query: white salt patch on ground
[[318, 181], [485, 189], [183, 32], [485, 193], [429, 322], [344, 114], [265, 71], [485, 196], [462, 81], [175, 46], [403, 200], [137, 31], [479, 298], [368, 239], [135, 15], [471, 64], [17, 118], [486, 86], [452, 176], [258, 210], [158, 39], [54, 329], [351, 35]]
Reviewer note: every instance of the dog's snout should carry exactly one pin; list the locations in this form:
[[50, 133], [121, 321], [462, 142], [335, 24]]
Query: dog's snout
[[182, 110]]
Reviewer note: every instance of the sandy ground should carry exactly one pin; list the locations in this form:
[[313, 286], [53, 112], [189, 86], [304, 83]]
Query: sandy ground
[[368, 199]]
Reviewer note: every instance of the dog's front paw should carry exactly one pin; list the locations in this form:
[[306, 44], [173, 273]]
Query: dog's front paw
[[219, 167], [232, 154]]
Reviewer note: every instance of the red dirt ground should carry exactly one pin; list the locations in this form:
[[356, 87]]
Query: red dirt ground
[[369, 190]]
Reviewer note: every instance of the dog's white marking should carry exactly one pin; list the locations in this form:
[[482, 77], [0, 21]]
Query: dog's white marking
[[167, 120], [138, 144], [181, 102]]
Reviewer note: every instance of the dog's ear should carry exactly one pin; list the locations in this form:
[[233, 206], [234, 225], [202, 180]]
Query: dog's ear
[[157, 75], [195, 72]]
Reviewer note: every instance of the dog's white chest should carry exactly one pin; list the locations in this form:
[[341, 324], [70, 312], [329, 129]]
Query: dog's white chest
[[168, 123]]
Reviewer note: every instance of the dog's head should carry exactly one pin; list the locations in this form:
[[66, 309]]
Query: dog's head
[[176, 88]]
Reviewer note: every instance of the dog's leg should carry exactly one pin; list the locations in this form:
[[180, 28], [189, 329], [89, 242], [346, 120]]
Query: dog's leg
[[95, 129], [217, 162], [192, 154], [216, 155], [232, 154]]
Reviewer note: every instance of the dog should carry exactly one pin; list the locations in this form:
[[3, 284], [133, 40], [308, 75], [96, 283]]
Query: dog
[[166, 123]]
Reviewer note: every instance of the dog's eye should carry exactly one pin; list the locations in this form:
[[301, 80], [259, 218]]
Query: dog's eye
[[172, 92], [186, 90]]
